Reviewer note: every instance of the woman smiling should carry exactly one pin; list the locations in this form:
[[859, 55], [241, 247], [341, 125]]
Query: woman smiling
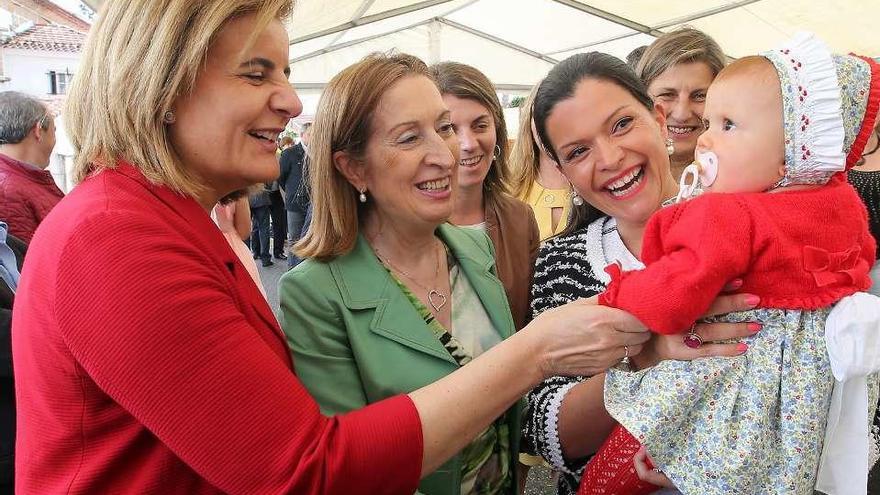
[[677, 69], [483, 201], [597, 122]]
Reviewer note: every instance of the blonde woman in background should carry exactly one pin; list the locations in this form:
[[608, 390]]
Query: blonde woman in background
[[536, 177]]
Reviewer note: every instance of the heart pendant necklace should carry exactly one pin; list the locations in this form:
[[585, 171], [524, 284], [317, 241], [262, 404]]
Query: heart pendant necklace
[[436, 299], [440, 299]]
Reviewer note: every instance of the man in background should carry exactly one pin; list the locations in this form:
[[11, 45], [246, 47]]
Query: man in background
[[27, 190], [295, 183]]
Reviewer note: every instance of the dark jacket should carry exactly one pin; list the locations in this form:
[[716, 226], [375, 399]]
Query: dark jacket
[[294, 178], [7, 384], [260, 198], [27, 194], [511, 225]]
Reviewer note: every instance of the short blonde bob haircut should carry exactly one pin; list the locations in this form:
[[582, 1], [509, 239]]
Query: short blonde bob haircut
[[342, 123], [140, 57]]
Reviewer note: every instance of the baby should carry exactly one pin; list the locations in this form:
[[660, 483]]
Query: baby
[[776, 211]]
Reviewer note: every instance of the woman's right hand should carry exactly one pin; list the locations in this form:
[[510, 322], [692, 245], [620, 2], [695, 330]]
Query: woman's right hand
[[583, 339]]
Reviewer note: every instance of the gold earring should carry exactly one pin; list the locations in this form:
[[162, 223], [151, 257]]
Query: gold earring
[[169, 117], [670, 146]]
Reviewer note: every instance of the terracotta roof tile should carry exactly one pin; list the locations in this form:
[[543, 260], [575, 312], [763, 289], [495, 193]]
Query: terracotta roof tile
[[49, 37]]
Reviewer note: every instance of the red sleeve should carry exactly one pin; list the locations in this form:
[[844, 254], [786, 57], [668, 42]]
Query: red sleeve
[[156, 327], [690, 251]]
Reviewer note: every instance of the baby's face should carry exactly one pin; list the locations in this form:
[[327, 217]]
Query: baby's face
[[743, 120]]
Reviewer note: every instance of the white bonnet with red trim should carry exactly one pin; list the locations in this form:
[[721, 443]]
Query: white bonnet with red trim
[[829, 105]]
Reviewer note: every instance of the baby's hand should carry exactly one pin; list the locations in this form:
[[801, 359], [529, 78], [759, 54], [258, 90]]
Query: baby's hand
[[647, 472]]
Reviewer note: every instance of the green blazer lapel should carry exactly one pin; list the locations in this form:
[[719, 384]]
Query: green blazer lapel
[[365, 284], [477, 261]]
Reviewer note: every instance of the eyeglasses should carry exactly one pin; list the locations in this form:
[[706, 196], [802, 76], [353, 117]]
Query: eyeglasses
[[43, 121]]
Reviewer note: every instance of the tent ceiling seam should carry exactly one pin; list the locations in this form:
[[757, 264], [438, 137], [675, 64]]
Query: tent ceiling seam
[[497, 40], [381, 16], [666, 24], [608, 16], [330, 49], [357, 15], [442, 20]]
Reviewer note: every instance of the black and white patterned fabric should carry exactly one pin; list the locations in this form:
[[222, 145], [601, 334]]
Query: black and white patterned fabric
[[568, 268]]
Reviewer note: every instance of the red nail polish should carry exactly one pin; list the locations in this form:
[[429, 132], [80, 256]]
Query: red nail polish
[[753, 300], [755, 327], [741, 348]]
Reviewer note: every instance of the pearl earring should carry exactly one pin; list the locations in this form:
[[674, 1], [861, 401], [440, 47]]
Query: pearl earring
[[577, 200], [670, 147], [363, 196], [169, 117], [497, 153]]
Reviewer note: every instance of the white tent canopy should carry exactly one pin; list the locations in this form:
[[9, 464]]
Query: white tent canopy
[[515, 42]]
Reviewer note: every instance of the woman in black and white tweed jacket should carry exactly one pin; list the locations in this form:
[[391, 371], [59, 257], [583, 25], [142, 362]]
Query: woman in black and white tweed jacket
[[570, 267]]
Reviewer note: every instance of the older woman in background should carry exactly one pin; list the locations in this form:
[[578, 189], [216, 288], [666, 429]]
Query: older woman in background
[[483, 200], [158, 367], [677, 68], [536, 178]]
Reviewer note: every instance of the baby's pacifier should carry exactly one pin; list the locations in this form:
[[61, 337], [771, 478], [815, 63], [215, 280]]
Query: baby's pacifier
[[699, 174], [707, 163]]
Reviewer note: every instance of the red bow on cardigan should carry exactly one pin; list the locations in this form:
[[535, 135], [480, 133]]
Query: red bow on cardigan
[[826, 267]]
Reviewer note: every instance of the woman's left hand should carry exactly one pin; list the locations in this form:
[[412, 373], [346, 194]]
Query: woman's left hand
[[652, 475], [662, 347]]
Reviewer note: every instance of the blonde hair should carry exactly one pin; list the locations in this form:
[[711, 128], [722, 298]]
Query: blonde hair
[[525, 157], [682, 46], [342, 123], [141, 55], [466, 82]]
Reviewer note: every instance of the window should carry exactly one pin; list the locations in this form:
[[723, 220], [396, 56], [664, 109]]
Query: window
[[59, 82]]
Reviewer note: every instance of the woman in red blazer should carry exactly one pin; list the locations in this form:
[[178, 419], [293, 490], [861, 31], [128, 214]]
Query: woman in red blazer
[[146, 360]]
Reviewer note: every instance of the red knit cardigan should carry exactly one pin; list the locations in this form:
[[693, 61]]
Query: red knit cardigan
[[800, 249], [146, 361]]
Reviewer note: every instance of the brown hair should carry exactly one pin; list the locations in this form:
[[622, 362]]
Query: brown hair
[[682, 46], [464, 81], [149, 52], [342, 123]]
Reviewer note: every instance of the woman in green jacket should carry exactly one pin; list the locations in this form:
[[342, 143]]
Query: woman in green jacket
[[414, 298]]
